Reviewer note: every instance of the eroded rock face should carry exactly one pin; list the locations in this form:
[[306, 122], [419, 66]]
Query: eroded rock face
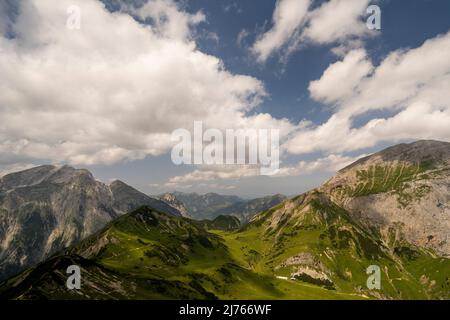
[[308, 268], [314, 276], [403, 191], [48, 208], [172, 200], [303, 259]]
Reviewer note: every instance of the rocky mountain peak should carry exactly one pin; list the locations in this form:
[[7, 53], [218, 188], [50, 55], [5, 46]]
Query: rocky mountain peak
[[44, 174], [117, 184], [66, 173], [47, 208], [424, 151], [405, 187], [27, 177]]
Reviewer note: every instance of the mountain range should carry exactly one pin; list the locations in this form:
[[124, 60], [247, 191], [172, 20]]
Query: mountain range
[[390, 210], [211, 205]]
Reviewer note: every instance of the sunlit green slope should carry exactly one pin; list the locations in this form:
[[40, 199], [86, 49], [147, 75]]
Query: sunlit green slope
[[310, 239], [151, 255], [316, 253]]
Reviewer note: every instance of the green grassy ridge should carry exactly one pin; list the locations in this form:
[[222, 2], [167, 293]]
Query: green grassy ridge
[[149, 255], [343, 247], [47, 281], [210, 268]]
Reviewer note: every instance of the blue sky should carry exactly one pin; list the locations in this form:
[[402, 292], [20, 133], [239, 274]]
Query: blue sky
[[215, 28], [403, 26]]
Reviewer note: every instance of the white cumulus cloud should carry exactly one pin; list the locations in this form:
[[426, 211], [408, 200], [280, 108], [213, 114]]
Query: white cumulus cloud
[[115, 89], [339, 81], [297, 24], [288, 17], [411, 86]]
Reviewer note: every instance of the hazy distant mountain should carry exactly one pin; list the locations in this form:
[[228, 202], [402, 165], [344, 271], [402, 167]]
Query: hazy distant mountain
[[390, 210], [211, 205], [245, 210], [47, 208], [200, 206]]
